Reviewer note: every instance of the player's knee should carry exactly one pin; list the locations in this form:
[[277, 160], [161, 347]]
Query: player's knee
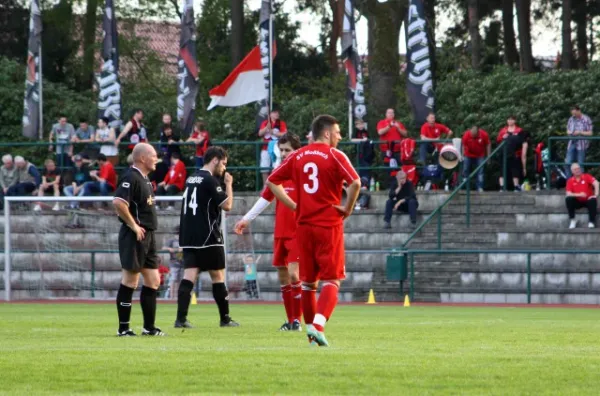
[[217, 276], [309, 285]]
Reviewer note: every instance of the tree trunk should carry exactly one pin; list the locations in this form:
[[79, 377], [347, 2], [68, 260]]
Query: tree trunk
[[566, 61], [524, 19], [89, 41], [473, 13], [237, 32], [384, 22], [580, 16], [337, 10], [511, 56]]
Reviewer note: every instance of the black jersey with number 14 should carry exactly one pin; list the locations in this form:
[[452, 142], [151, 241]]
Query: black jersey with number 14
[[200, 221]]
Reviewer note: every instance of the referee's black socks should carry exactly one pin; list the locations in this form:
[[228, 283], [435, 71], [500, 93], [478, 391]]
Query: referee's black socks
[[148, 302], [183, 299], [220, 295], [124, 296]]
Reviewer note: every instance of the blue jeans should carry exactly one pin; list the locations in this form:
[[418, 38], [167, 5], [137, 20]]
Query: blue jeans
[[424, 149], [572, 154], [469, 165], [90, 188], [68, 190]]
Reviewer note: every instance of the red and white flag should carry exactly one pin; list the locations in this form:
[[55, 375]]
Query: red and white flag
[[245, 84]]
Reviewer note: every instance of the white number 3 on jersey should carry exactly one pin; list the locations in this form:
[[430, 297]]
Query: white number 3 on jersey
[[312, 171]]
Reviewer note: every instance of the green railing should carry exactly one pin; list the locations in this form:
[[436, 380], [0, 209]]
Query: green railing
[[410, 257], [560, 140], [466, 183]]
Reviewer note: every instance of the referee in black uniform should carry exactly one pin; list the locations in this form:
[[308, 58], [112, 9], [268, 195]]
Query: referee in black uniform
[[134, 204], [200, 234]]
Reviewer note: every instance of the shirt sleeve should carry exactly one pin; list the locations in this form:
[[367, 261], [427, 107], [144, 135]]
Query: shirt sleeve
[[570, 185], [445, 129], [126, 190], [424, 130], [282, 126], [381, 124], [216, 192], [267, 194], [589, 178], [283, 172], [346, 169]]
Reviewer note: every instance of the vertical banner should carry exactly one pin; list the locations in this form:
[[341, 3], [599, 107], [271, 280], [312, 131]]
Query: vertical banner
[[354, 76], [32, 107], [265, 32], [187, 75], [419, 82], [109, 99]]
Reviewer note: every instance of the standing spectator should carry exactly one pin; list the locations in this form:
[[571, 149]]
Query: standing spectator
[[271, 129], [366, 154], [28, 178], [61, 134], [201, 137], [106, 135], [169, 143], [174, 181], [8, 176], [402, 198], [579, 125], [134, 130], [175, 264], [80, 175], [50, 183], [85, 134], [391, 131], [476, 147], [104, 180], [516, 149], [432, 130], [582, 192]]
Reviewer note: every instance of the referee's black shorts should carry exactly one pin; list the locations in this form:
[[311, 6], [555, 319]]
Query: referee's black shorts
[[136, 255], [210, 258]]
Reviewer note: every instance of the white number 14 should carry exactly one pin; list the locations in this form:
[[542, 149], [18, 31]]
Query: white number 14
[[193, 205]]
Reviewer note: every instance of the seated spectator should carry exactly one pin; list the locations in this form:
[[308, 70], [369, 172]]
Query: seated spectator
[[104, 180], [28, 178], [174, 181], [61, 134], [582, 192], [107, 136], [476, 147], [271, 129], [201, 137], [8, 176], [432, 130], [516, 148], [50, 183], [80, 175], [175, 263], [85, 134], [168, 141], [366, 154], [402, 198], [579, 125], [392, 132]]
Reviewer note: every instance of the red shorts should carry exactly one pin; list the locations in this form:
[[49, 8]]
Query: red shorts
[[285, 251], [322, 255]]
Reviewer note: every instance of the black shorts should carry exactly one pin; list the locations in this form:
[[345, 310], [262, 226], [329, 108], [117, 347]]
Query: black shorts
[[514, 167], [136, 255], [211, 258]]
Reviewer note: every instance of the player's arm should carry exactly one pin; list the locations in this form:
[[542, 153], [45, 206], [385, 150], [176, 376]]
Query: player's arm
[[276, 179], [124, 132], [123, 196], [266, 197], [352, 192], [227, 203], [349, 175]]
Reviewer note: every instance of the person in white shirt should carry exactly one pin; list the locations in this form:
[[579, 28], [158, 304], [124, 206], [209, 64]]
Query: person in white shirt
[[107, 136]]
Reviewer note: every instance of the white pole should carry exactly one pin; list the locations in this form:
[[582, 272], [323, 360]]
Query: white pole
[[350, 120], [7, 249], [41, 101], [270, 57]]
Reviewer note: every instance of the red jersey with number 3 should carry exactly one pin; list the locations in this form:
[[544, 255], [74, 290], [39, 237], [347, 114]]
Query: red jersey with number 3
[[318, 172], [285, 218]]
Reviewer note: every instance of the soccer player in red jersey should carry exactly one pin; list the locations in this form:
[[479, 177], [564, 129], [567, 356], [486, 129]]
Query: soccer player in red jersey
[[318, 172], [285, 248]]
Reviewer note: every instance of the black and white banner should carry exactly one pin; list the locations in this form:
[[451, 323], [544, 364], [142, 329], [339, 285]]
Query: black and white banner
[[109, 99], [265, 43], [32, 112], [351, 59], [418, 60], [187, 76]]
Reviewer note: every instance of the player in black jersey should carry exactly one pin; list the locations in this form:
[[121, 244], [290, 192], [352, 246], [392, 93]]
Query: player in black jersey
[[134, 204], [200, 234]]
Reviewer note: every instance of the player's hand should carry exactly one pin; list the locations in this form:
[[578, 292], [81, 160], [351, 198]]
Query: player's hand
[[228, 178], [140, 233], [342, 210], [240, 226]]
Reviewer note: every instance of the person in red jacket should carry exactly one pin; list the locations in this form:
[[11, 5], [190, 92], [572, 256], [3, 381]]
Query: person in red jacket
[[582, 192], [432, 130], [391, 131], [174, 181], [104, 180], [476, 147]]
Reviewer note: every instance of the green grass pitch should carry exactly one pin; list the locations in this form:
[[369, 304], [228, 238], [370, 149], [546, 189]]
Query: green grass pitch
[[388, 350]]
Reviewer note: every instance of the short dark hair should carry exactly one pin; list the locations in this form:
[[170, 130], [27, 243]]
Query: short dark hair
[[512, 117], [101, 157], [290, 138], [62, 115], [137, 110], [83, 120], [105, 119], [175, 155], [321, 123], [217, 152], [576, 107]]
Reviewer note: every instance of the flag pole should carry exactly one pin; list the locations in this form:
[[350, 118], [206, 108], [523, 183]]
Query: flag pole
[[270, 58], [41, 95], [350, 126]]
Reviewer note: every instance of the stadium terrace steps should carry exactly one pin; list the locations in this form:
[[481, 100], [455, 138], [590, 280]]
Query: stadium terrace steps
[[506, 221]]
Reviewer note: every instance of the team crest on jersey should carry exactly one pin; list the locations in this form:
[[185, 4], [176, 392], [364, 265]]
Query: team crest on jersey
[[125, 185], [150, 200], [219, 189]]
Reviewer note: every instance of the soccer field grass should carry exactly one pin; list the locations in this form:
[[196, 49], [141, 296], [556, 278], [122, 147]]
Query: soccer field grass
[[72, 348]]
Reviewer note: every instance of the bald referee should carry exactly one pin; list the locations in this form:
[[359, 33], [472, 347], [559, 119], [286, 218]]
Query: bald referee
[[134, 204]]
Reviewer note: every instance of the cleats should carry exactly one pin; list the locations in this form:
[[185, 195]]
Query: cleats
[[155, 332], [296, 326], [228, 322], [285, 327], [126, 333], [316, 337], [183, 325]]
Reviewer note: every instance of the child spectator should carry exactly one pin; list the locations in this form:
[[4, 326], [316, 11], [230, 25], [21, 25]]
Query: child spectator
[[201, 137], [80, 174], [175, 263]]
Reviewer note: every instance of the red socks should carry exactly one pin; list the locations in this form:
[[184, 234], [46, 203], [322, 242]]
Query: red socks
[[327, 301], [309, 304], [297, 301], [286, 293]]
